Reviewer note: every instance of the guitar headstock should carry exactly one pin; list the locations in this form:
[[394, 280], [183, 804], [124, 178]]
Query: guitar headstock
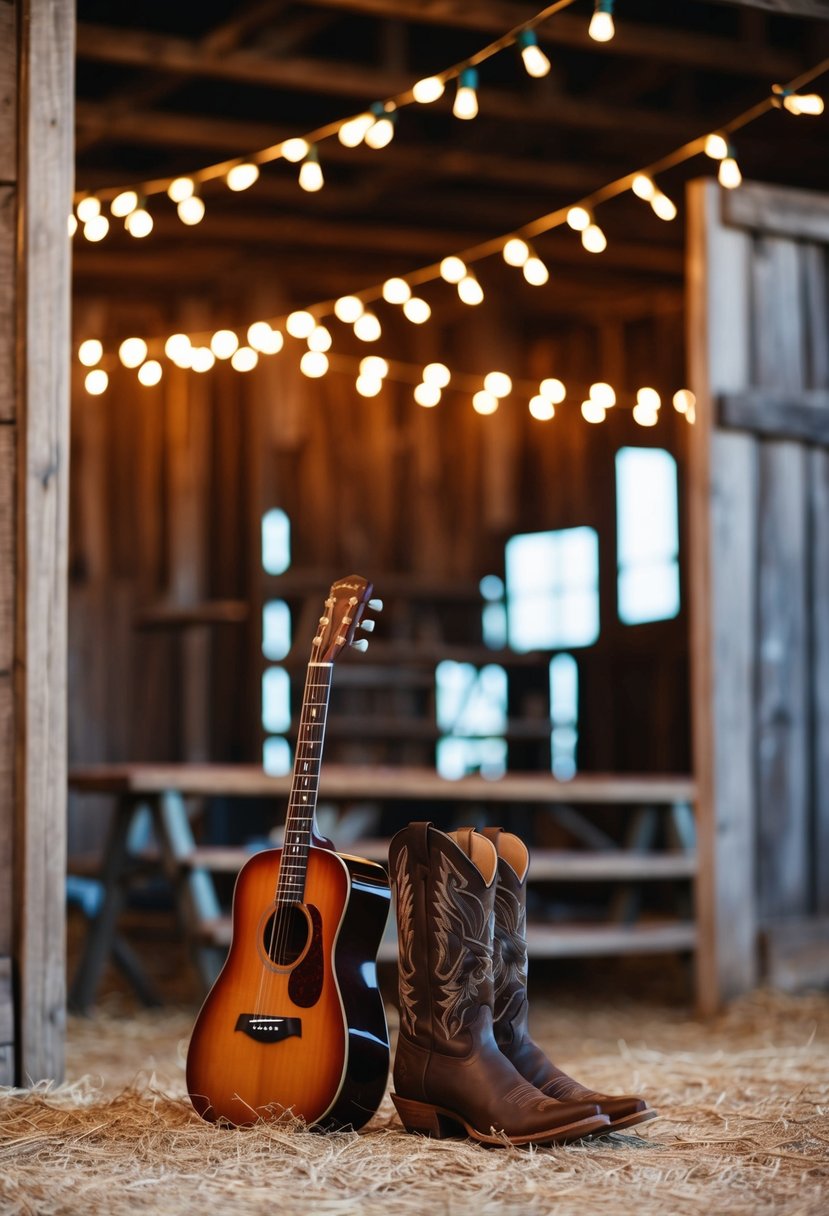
[[347, 601]]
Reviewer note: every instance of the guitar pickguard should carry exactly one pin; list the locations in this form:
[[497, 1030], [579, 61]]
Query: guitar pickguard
[[306, 980]]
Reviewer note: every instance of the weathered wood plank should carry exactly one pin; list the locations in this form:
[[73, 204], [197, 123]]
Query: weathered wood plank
[[785, 415], [46, 119], [8, 91], [7, 569], [722, 490], [797, 954], [782, 637], [6, 1022], [7, 299], [778, 211]]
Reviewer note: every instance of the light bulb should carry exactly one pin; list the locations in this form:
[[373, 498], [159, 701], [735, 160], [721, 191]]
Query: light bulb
[[202, 359], [729, 175], [484, 402], [96, 228], [602, 394], [470, 290], [264, 339], [367, 327], [803, 103], [88, 208], [691, 415], [90, 352], [643, 186], [516, 251], [684, 400], [96, 382], [139, 223], [578, 218], [427, 90], [375, 367], [179, 350], [180, 189], [649, 398], [242, 177], [535, 61], [191, 210], [466, 98], [396, 291], [535, 272], [300, 324], [244, 359], [319, 338], [224, 343], [542, 409], [552, 390], [498, 383], [132, 352], [593, 239], [417, 311], [348, 308], [313, 364], [72, 224], [124, 203], [601, 27], [381, 132], [716, 146], [644, 416], [662, 206], [295, 150], [150, 373], [427, 395], [452, 269], [353, 130], [591, 411], [437, 373], [368, 386], [310, 172]]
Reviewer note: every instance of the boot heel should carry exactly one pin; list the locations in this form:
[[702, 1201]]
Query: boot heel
[[425, 1120]]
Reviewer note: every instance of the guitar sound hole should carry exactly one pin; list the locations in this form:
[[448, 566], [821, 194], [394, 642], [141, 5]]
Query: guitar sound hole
[[286, 935]]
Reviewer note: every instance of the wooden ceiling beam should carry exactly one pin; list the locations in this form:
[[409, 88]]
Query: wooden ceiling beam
[[793, 8]]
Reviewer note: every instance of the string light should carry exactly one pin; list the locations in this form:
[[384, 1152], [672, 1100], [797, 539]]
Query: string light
[[132, 352], [72, 224], [552, 390], [649, 398], [202, 359], [96, 228], [541, 408], [428, 90], [602, 394], [516, 251], [645, 187], [663, 207], [191, 210], [578, 218], [300, 323], [88, 208], [353, 131], [729, 175], [244, 359], [319, 338], [381, 132], [469, 289], [437, 374], [242, 177], [224, 343], [484, 402], [453, 269], [374, 366], [179, 350], [295, 150], [535, 272], [466, 98], [264, 339], [593, 239], [310, 172], [684, 400], [602, 27], [797, 103], [368, 386], [417, 311], [535, 61], [96, 382], [150, 373], [396, 291], [139, 223], [644, 416], [348, 308], [90, 352], [426, 394], [498, 384], [313, 364], [124, 203], [181, 188], [591, 411], [367, 327]]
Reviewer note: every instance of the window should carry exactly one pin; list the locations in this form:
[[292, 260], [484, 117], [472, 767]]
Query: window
[[553, 589], [564, 715], [647, 535], [494, 612], [471, 710], [276, 630], [276, 541], [276, 642]]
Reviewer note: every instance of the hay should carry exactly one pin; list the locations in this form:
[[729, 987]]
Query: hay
[[744, 1129]]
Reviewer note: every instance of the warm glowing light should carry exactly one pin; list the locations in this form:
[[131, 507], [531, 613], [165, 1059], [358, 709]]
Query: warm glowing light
[[516, 251], [437, 373], [552, 390], [202, 359], [470, 290], [191, 210], [139, 223], [452, 269], [264, 339], [542, 409], [684, 400], [417, 311], [179, 350], [427, 395], [368, 386], [578, 218], [375, 367], [132, 352], [223, 343], [535, 61], [484, 402], [88, 208], [691, 416], [498, 383], [591, 411], [649, 398], [602, 394], [313, 364], [348, 309], [644, 416], [90, 352], [72, 224], [150, 373], [381, 132], [244, 359], [242, 177], [180, 189], [535, 272], [593, 239], [664, 207], [319, 338], [396, 291], [353, 131], [729, 175], [643, 187], [601, 27], [716, 146], [427, 90], [466, 98], [367, 327], [803, 103], [124, 203], [300, 324], [310, 172], [96, 228], [295, 150], [96, 382]]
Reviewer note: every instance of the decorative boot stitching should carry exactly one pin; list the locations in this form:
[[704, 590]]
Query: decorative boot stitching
[[405, 933], [509, 949], [463, 966]]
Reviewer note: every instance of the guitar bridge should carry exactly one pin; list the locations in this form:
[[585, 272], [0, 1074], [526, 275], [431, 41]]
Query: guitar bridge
[[266, 1029]]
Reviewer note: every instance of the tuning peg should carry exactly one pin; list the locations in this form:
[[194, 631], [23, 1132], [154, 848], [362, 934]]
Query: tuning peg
[[367, 626], [361, 644], [376, 605]]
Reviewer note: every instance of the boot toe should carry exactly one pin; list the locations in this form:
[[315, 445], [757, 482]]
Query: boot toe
[[621, 1107]]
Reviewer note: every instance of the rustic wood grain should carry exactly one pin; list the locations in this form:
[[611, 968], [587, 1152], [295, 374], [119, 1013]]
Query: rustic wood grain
[[792, 414], [7, 572], [778, 211], [8, 237], [8, 92]]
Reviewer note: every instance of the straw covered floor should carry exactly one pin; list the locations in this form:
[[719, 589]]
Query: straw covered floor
[[744, 1128]]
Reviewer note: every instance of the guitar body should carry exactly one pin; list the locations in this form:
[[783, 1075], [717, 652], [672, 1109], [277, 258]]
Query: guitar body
[[295, 1021]]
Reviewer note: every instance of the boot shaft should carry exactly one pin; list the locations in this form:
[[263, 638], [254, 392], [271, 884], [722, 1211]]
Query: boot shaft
[[509, 951]]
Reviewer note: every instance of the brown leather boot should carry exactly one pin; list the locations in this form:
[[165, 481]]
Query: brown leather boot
[[449, 1076], [509, 960]]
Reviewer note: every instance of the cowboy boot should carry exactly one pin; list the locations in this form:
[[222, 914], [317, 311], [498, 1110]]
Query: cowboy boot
[[509, 959], [450, 1079]]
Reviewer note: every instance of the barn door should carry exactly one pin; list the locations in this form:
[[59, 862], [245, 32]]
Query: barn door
[[759, 361]]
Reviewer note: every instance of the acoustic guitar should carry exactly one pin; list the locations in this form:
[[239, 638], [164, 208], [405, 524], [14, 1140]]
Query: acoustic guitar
[[294, 1022]]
